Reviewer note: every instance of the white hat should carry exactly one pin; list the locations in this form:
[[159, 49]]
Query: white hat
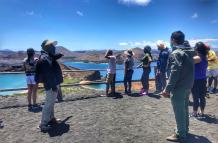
[[161, 44]]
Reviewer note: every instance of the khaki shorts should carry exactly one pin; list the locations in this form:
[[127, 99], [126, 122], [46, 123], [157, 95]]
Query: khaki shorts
[[110, 78]]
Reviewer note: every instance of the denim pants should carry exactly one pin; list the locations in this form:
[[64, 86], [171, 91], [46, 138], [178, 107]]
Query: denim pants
[[179, 100], [48, 109], [128, 80], [161, 82], [199, 91], [145, 78], [59, 95]]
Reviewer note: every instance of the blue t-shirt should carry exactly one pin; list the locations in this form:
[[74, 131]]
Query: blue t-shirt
[[201, 68]]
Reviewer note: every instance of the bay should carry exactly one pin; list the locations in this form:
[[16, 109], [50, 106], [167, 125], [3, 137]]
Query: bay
[[19, 80]]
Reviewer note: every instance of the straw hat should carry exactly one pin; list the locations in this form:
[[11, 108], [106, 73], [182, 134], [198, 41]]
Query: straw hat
[[129, 52]]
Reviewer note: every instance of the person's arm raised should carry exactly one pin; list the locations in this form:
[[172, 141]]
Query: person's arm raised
[[197, 59]]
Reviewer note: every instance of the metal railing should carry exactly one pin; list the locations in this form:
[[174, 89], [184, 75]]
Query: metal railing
[[69, 85]]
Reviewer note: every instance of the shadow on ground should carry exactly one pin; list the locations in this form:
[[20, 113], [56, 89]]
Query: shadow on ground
[[149, 95], [59, 129], [36, 109], [154, 96], [135, 95], [211, 119], [196, 139]]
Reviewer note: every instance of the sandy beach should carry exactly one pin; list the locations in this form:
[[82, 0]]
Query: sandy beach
[[89, 118]]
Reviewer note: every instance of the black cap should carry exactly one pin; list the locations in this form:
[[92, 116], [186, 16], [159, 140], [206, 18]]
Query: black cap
[[30, 51], [147, 48]]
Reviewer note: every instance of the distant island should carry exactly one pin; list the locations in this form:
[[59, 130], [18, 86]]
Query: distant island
[[13, 60]]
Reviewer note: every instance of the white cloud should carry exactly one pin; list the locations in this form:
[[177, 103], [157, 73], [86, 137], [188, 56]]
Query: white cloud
[[135, 2], [123, 44], [195, 15], [215, 21], [206, 40], [141, 44], [79, 13], [132, 44], [31, 13]]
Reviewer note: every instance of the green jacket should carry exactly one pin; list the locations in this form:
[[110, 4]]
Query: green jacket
[[181, 65]]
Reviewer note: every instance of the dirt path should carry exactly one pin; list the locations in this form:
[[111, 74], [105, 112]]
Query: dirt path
[[94, 119]]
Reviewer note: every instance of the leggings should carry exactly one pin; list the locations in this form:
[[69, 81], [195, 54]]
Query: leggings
[[145, 78], [199, 91]]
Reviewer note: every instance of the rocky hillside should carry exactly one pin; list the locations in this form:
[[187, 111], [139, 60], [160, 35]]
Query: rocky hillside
[[98, 56]]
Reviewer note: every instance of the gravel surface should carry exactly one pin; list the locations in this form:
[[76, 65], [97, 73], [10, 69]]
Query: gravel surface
[[93, 119]]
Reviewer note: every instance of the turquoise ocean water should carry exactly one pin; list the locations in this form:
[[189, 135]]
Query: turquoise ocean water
[[19, 80]]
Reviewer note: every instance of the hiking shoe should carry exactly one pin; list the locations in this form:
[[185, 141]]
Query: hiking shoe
[[174, 138]]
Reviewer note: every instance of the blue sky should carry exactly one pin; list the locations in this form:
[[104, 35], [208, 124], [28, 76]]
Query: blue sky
[[103, 24]]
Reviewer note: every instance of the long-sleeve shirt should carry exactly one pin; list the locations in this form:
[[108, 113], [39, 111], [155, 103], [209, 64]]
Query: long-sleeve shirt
[[162, 60], [182, 69]]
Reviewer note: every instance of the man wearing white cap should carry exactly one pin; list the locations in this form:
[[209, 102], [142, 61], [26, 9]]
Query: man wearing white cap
[[46, 73], [161, 66]]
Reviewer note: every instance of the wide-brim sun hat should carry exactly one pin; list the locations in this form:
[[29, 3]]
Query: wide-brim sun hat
[[46, 46], [50, 42], [129, 52]]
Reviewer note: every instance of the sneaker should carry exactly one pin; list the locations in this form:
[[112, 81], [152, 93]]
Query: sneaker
[[210, 90], [54, 121], [44, 128], [157, 92], [145, 93], [142, 91], [1, 125], [201, 115], [129, 92], [174, 138], [193, 115]]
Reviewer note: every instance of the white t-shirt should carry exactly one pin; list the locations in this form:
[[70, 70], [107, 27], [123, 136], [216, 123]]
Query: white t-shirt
[[111, 65]]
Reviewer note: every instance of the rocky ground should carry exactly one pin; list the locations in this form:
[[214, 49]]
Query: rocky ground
[[89, 118]]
